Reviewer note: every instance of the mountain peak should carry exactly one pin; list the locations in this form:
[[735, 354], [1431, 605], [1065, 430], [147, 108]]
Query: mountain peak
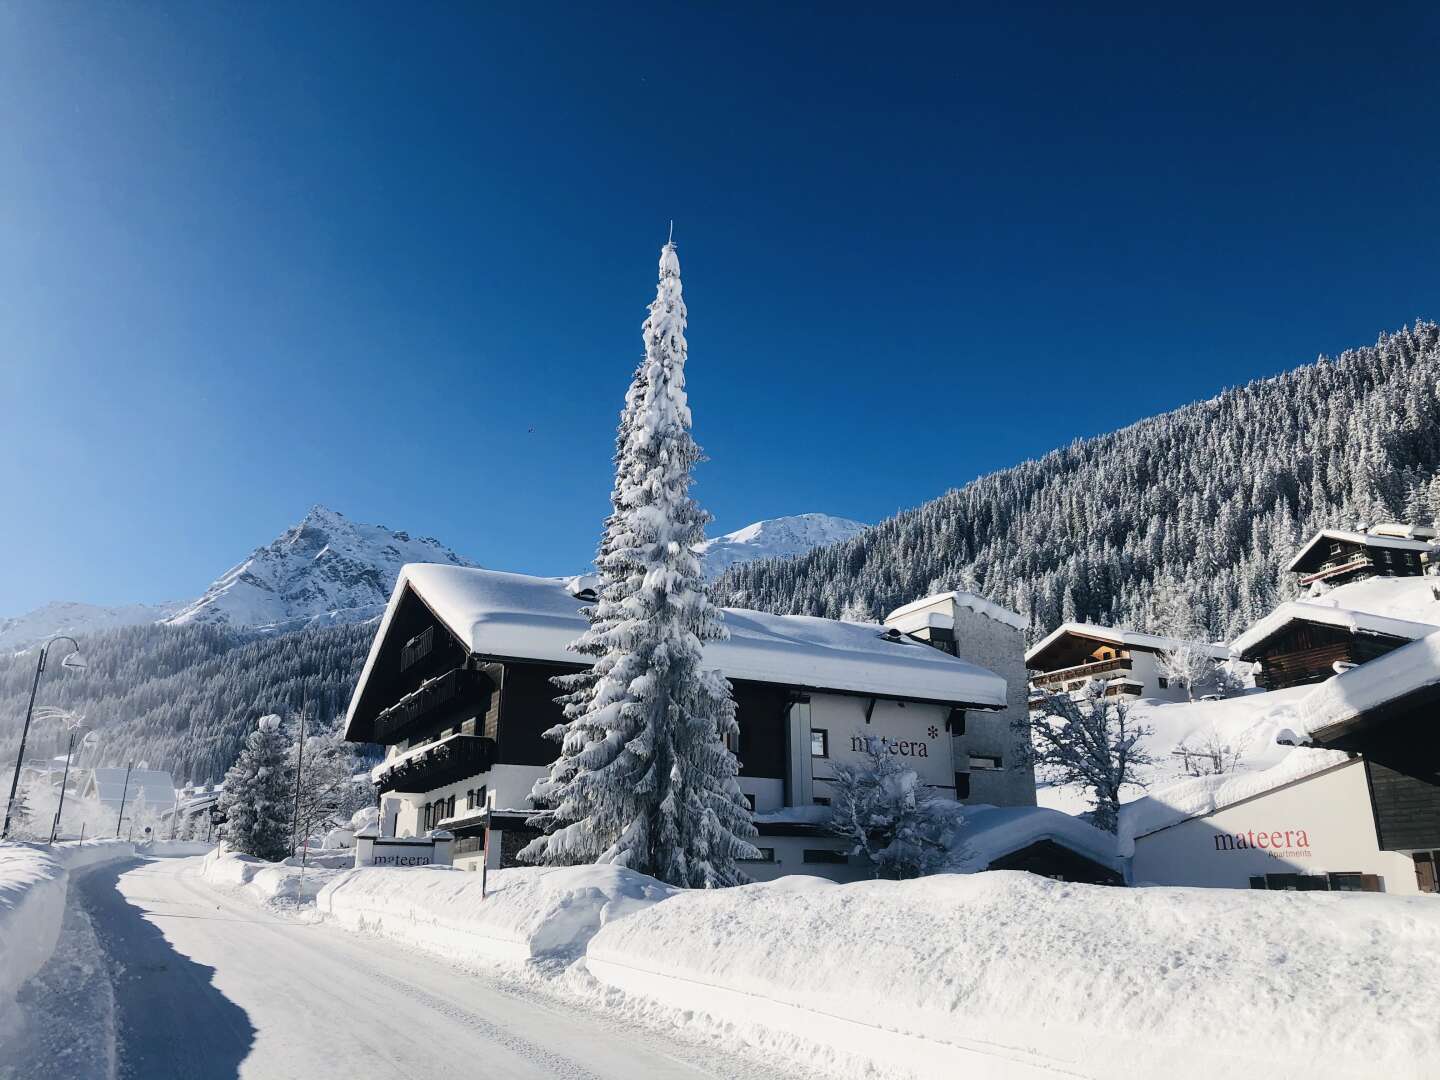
[[776, 538]]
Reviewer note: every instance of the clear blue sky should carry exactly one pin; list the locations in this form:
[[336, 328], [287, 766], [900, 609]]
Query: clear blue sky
[[257, 256]]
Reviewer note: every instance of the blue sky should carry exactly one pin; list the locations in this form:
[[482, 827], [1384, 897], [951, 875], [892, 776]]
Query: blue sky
[[254, 257]]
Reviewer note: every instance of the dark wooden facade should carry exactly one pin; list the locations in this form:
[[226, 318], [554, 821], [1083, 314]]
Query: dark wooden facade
[[1339, 561], [1052, 860], [1402, 764], [1305, 652]]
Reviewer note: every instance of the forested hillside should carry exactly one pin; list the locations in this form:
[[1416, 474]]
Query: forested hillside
[[182, 698], [1206, 502]]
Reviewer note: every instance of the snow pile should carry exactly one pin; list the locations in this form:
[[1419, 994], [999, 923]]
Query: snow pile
[[230, 868], [525, 912], [1340, 698], [1202, 795], [988, 833], [1007, 974], [33, 883], [290, 884]]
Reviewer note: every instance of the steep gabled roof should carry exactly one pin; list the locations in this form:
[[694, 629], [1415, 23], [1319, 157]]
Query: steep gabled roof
[[1357, 622], [519, 617]]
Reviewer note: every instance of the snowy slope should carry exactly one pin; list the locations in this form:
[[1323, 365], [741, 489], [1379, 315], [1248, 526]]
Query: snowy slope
[[776, 538], [325, 569], [76, 619]]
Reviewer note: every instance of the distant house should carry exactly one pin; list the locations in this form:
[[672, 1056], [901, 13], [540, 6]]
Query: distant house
[[1337, 557], [111, 786], [1126, 662]]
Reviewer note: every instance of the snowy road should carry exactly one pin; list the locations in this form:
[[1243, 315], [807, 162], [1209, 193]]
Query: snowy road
[[208, 986]]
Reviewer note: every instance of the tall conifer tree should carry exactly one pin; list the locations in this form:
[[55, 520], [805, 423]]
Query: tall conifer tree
[[644, 778]]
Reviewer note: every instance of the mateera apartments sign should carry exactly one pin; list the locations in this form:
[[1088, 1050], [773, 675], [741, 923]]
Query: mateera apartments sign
[[1282, 844]]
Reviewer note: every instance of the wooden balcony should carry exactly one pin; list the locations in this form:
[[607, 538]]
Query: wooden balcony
[[1055, 680], [440, 763], [451, 689]]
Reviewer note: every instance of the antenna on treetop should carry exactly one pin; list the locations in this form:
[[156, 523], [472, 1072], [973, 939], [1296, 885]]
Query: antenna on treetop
[[671, 238]]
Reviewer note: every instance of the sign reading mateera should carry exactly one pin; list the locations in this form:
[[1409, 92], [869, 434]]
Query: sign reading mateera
[[372, 850], [1282, 843]]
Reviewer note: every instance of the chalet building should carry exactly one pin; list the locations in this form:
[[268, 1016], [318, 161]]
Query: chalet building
[[1337, 557], [1302, 643], [458, 688], [1126, 662], [1356, 806]]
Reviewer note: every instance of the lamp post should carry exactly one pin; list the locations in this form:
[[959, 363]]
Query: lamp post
[[72, 661]]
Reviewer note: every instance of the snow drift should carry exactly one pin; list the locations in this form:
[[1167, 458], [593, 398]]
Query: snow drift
[[33, 884], [526, 913], [1006, 974]]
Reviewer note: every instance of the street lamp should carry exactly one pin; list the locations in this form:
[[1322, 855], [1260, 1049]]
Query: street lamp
[[72, 660]]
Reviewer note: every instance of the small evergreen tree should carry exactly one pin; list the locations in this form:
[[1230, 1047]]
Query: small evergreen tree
[[258, 799], [644, 778]]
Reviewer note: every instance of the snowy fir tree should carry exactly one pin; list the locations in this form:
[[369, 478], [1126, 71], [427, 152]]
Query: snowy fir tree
[[644, 778], [899, 824], [258, 800], [1087, 740]]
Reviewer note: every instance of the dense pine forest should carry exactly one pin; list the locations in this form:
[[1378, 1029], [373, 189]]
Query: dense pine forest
[[1206, 502], [183, 698]]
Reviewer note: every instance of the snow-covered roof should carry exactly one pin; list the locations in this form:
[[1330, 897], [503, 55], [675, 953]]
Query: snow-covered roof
[[1203, 795], [1328, 614], [969, 601], [1344, 697], [1395, 543], [992, 832], [151, 784], [1130, 639], [532, 618]]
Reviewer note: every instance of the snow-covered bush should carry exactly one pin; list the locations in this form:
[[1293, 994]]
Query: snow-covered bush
[[899, 824], [644, 778], [329, 793]]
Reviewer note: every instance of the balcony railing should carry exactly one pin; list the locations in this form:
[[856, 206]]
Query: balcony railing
[[1080, 671], [445, 762], [433, 694]]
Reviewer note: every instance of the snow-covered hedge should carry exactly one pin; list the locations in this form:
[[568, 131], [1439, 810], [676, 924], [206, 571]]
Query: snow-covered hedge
[[526, 912], [1008, 974], [33, 882]]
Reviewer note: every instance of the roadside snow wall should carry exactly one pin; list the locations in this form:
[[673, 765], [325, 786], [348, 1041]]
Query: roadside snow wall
[[1005, 974], [526, 912], [33, 882]]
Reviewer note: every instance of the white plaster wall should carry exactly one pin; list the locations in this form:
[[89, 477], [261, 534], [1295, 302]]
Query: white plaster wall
[[790, 859], [915, 734], [1332, 808], [1145, 669], [999, 647]]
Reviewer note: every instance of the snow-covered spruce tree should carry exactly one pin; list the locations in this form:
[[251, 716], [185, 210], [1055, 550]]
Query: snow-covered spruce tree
[[644, 778], [901, 826], [258, 799], [1089, 741]]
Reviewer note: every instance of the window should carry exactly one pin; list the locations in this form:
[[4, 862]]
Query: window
[[819, 742], [984, 761], [821, 800], [822, 855], [1164, 682], [767, 854], [470, 799], [426, 817], [956, 722], [962, 785], [450, 807], [749, 800]]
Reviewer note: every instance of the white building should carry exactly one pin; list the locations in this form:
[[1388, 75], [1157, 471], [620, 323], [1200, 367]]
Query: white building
[[1127, 662]]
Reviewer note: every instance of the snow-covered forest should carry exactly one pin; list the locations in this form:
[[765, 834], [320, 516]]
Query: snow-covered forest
[[183, 698], [1209, 499]]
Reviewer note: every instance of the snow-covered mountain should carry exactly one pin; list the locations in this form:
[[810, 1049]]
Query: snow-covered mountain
[[776, 538], [68, 617], [326, 569]]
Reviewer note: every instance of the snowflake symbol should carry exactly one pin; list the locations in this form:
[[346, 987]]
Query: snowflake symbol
[[934, 732]]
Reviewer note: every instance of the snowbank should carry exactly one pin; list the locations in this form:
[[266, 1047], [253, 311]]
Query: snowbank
[[267, 882], [231, 868], [1009, 975], [175, 849], [525, 913], [33, 883]]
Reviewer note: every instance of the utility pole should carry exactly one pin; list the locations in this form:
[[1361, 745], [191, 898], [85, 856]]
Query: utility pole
[[64, 779], [123, 792], [70, 661], [299, 771]]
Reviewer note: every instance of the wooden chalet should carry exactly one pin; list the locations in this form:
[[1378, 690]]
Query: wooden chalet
[[1337, 557], [1126, 662], [1304, 643]]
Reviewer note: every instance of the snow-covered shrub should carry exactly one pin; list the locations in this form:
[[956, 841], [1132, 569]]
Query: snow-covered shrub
[[898, 823]]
